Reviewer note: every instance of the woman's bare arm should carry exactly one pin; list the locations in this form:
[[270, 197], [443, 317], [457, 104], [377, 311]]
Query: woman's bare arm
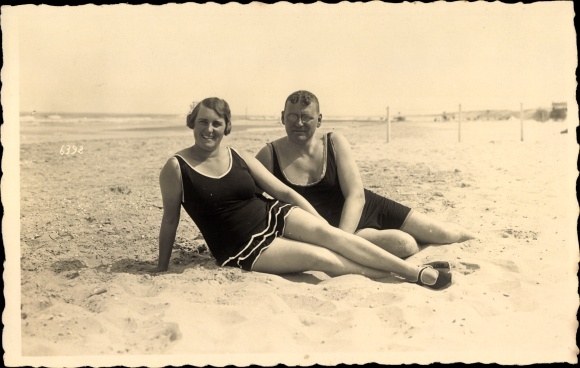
[[171, 192], [274, 187]]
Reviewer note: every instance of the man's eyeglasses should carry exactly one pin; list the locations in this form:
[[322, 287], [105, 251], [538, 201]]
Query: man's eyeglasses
[[293, 118]]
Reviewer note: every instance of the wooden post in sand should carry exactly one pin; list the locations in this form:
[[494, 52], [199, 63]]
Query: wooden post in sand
[[459, 130], [388, 126], [521, 121]]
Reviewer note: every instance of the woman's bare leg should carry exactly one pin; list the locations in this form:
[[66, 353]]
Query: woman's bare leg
[[302, 226], [299, 257], [429, 230], [396, 242]]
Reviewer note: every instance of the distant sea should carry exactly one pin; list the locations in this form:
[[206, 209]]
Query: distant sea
[[54, 126], [161, 121], [136, 121], [122, 119], [79, 127], [66, 117]]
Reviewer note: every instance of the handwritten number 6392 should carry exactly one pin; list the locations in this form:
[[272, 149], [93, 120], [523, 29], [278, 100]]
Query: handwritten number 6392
[[68, 149]]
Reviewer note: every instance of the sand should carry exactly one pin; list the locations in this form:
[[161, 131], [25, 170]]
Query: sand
[[89, 225]]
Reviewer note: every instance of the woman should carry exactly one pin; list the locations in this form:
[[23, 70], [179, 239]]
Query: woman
[[322, 170], [216, 187]]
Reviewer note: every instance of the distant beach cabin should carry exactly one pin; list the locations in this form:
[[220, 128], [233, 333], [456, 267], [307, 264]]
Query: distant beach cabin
[[559, 111]]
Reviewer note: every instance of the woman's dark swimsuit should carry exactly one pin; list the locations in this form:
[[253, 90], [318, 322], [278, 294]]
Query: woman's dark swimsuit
[[236, 225], [326, 196]]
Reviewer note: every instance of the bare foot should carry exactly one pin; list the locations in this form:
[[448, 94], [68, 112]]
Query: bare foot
[[460, 234], [466, 235]]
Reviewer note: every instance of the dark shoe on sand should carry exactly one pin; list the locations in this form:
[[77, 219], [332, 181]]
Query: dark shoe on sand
[[443, 279], [439, 265]]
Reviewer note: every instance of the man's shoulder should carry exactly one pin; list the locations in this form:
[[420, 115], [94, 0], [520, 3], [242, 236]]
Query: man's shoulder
[[277, 141], [337, 138]]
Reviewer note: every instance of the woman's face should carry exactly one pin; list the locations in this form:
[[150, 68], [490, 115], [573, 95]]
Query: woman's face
[[208, 129], [300, 122]]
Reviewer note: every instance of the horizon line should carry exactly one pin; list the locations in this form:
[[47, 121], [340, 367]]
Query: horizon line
[[428, 112]]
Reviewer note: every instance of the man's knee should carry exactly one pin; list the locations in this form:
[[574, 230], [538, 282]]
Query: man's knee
[[406, 245], [396, 242]]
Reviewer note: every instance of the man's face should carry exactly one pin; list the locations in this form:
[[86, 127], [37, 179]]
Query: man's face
[[300, 121]]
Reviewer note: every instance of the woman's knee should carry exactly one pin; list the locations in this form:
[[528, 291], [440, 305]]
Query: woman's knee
[[326, 261], [302, 226]]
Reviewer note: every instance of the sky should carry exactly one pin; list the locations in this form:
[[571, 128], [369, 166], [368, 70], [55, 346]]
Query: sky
[[357, 58]]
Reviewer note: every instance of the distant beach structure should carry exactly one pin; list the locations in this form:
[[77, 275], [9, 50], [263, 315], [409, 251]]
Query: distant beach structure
[[559, 111]]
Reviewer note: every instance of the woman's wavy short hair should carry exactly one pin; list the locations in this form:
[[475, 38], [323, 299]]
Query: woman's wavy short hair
[[218, 105]]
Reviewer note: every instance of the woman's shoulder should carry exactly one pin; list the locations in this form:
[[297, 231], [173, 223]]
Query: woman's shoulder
[[239, 152], [173, 163], [183, 152], [170, 173], [248, 159]]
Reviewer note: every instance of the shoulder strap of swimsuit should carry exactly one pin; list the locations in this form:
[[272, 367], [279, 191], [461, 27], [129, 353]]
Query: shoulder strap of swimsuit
[[180, 162], [330, 147], [236, 157], [275, 164]]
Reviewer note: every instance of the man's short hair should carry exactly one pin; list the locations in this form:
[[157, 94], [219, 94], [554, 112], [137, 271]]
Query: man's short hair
[[304, 98]]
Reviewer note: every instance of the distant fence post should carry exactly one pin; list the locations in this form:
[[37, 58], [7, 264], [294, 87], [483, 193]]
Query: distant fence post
[[521, 121], [459, 130], [388, 126]]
